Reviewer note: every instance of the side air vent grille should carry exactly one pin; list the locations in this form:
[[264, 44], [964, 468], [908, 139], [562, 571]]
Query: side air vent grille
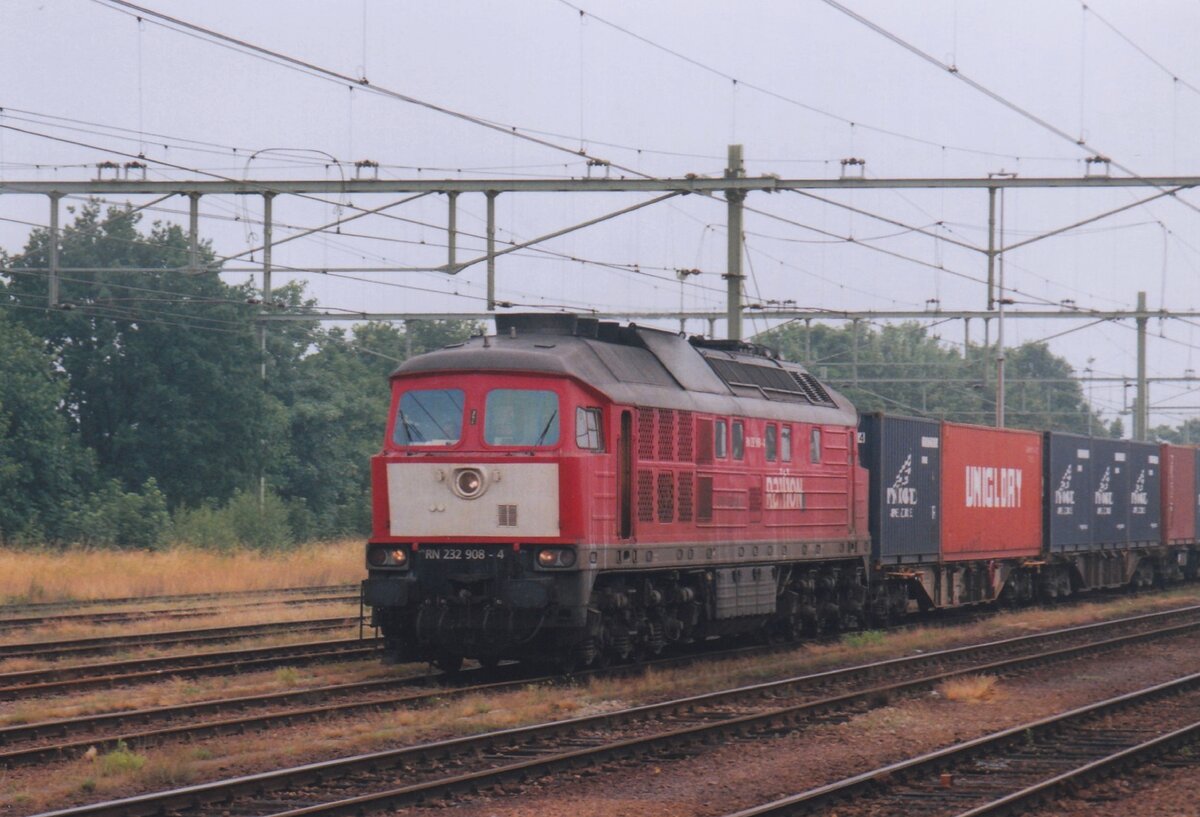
[[666, 434], [645, 495], [772, 382], [666, 496], [685, 435], [645, 419]]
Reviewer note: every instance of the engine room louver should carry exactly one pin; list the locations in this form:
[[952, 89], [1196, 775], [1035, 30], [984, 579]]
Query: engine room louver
[[772, 382]]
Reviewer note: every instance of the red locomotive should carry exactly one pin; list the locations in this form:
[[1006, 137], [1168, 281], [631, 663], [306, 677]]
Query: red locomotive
[[580, 491], [589, 491]]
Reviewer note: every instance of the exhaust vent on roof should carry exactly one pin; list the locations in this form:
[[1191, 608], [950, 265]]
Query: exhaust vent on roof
[[772, 382]]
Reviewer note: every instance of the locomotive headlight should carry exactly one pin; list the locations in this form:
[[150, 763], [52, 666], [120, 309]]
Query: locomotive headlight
[[556, 557], [387, 557], [468, 482]]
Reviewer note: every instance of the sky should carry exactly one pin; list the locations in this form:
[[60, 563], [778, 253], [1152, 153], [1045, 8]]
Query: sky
[[658, 89]]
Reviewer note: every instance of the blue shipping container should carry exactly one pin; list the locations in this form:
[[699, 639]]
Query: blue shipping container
[[903, 455], [1068, 481], [1145, 493], [1110, 490]]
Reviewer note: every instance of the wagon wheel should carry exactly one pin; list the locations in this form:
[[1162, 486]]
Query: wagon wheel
[[449, 664]]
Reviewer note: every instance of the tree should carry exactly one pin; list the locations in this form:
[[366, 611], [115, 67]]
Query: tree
[[43, 469], [161, 363]]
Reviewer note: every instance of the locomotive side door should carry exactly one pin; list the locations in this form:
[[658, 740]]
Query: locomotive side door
[[625, 474]]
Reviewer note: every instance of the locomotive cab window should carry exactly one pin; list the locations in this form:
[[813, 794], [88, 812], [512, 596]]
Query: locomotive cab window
[[739, 439], [785, 443], [589, 433], [526, 417], [721, 439], [814, 449], [429, 417], [772, 441]]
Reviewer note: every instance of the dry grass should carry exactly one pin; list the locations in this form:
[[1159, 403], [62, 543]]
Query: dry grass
[[171, 650], [265, 613], [179, 690], [51, 575], [971, 689]]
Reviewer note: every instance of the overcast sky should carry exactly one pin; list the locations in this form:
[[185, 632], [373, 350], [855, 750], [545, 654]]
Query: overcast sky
[[650, 87]]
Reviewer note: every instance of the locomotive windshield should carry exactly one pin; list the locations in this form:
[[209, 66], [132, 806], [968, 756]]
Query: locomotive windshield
[[521, 417], [429, 417]]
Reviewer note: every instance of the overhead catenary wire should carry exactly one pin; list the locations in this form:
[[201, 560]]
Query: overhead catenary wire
[[265, 187], [1175, 77], [281, 58], [953, 71], [742, 83]]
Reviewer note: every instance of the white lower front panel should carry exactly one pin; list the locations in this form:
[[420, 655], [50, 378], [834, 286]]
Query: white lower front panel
[[520, 500]]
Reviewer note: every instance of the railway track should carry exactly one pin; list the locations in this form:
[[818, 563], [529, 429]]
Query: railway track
[[120, 616], [53, 650], [37, 683], [465, 765], [32, 606], [28, 743], [1015, 769]]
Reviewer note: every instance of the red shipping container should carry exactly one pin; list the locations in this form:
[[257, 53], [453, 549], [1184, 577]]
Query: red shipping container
[[991, 493], [1178, 493]]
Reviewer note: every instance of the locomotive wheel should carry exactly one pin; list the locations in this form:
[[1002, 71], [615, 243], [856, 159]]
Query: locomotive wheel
[[489, 661]]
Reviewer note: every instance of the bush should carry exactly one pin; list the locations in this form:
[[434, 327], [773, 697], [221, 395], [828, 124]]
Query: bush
[[114, 518], [242, 522], [121, 760], [204, 527], [259, 525]]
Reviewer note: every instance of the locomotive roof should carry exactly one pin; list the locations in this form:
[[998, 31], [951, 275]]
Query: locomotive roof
[[636, 365]]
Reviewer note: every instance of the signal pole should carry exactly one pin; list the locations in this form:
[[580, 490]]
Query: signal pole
[[733, 275], [1000, 301], [1141, 413]]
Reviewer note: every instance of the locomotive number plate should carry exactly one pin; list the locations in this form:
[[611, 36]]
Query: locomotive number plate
[[461, 554]]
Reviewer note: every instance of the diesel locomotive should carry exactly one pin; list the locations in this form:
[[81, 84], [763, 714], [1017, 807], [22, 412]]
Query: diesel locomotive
[[579, 491]]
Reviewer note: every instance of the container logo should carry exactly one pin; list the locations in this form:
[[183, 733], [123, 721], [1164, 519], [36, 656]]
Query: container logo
[[1104, 497], [1064, 495], [1138, 498], [902, 498], [989, 487]]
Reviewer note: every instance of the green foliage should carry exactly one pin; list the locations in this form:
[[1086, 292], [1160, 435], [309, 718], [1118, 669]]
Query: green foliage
[[162, 366], [1187, 433], [43, 467], [120, 760], [115, 518], [866, 638], [204, 527], [259, 525], [242, 522]]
